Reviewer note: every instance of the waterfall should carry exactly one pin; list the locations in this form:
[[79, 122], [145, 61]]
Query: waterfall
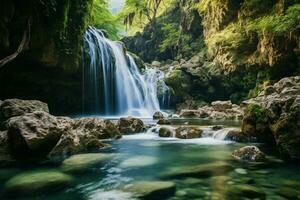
[[113, 83]]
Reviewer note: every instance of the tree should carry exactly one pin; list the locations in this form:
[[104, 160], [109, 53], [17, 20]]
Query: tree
[[145, 11]]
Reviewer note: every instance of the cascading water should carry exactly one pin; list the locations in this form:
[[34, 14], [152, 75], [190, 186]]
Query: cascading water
[[114, 85]]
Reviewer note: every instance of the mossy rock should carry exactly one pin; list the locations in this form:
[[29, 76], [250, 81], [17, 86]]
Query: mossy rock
[[82, 162], [36, 183], [152, 190]]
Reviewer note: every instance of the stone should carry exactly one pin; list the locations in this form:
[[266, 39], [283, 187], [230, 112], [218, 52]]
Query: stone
[[36, 183], [130, 125], [16, 107], [156, 63], [221, 106], [217, 127], [152, 189], [165, 132], [201, 171], [138, 161], [273, 118], [188, 132], [237, 135], [33, 134], [247, 191], [82, 162], [158, 115], [164, 122], [249, 154], [189, 113]]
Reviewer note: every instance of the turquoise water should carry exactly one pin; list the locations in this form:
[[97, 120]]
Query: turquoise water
[[145, 157]]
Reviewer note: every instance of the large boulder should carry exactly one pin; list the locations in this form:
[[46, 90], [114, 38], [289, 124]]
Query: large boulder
[[16, 107], [82, 135], [36, 183], [151, 190], [158, 115], [274, 117], [165, 132], [249, 154], [130, 125], [33, 134], [188, 132]]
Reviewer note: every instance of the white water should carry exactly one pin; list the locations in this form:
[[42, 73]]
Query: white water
[[113, 84]]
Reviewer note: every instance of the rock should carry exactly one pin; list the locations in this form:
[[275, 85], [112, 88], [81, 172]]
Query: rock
[[158, 115], [83, 135], [249, 154], [156, 63], [138, 161], [217, 127], [82, 162], [274, 118], [288, 193], [130, 125], [164, 122], [188, 132], [202, 171], [36, 183], [237, 135], [33, 134], [221, 106], [16, 107], [247, 191], [189, 113], [165, 132], [152, 190]]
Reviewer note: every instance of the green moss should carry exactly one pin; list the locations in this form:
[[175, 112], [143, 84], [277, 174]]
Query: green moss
[[259, 112], [204, 5]]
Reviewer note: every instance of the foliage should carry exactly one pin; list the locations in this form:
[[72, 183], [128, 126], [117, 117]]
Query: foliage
[[204, 5], [102, 18], [171, 35], [278, 24], [259, 113]]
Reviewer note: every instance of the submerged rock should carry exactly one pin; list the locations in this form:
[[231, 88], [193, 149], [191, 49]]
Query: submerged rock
[[33, 134], [138, 161], [164, 122], [165, 132], [152, 190], [203, 170], [249, 154], [188, 132], [130, 125], [288, 193], [16, 107], [82, 162], [158, 115], [36, 183], [237, 191]]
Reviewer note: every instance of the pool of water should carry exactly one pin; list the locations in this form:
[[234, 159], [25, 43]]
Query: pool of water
[[146, 157]]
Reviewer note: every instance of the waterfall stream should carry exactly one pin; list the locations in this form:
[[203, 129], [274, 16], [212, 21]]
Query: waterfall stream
[[113, 83]]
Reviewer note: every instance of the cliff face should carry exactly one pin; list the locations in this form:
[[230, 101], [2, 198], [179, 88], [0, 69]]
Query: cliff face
[[49, 66], [242, 46]]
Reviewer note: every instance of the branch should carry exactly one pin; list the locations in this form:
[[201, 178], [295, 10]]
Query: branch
[[23, 45]]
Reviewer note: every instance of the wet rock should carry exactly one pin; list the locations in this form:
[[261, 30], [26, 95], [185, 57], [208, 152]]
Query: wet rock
[[249, 154], [36, 183], [158, 115], [202, 171], [217, 127], [189, 113], [16, 107], [163, 122], [82, 162], [138, 161], [237, 135], [33, 134], [156, 63], [165, 132], [188, 132], [130, 125], [152, 190], [238, 191]]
